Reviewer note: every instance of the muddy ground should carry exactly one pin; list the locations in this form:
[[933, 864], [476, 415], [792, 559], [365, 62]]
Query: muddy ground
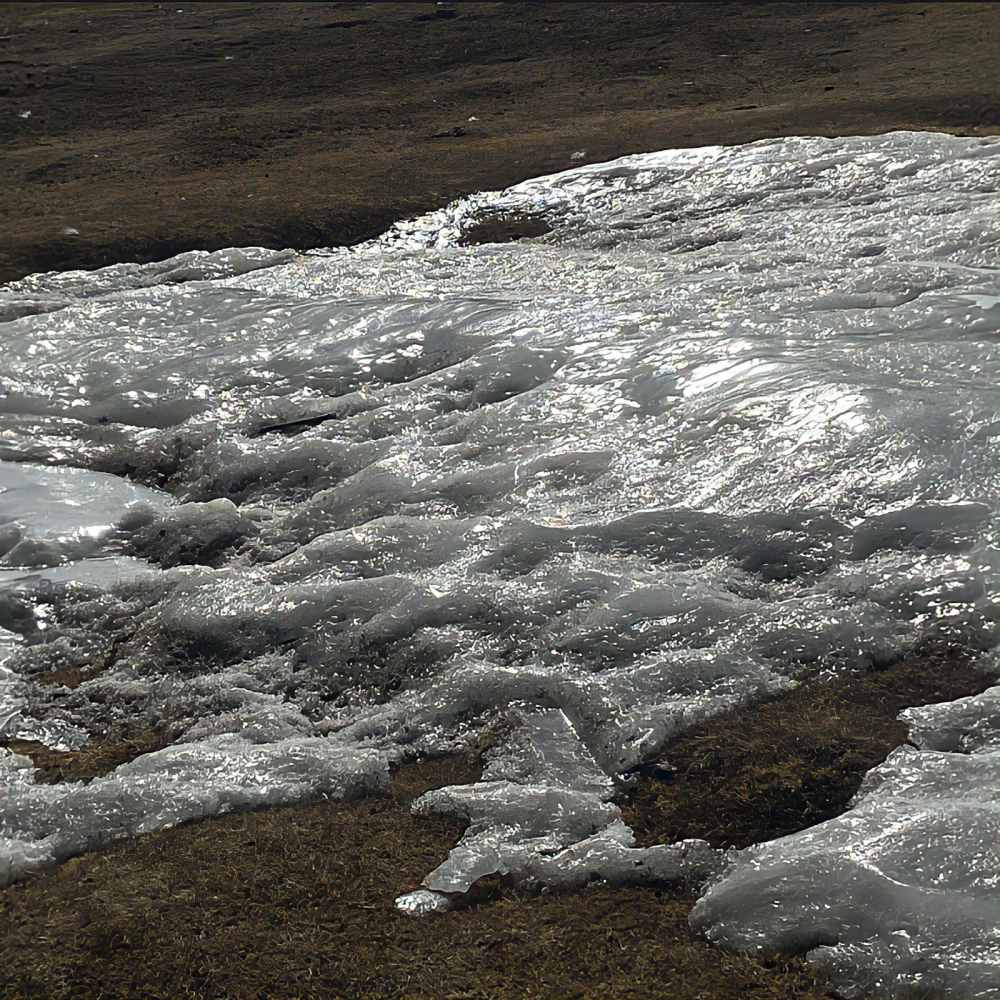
[[154, 128]]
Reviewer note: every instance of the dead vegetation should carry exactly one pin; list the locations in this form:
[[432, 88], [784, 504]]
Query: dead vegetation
[[298, 902], [97, 758], [135, 131], [766, 770]]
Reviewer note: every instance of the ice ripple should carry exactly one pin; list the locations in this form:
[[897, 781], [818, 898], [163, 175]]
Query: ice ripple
[[726, 424]]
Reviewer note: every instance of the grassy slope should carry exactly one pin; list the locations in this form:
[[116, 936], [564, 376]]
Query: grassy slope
[[158, 128]]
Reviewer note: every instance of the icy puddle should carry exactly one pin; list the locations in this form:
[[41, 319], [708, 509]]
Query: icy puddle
[[729, 426]]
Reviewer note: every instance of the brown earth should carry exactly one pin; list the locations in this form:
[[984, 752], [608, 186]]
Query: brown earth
[[298, 902], [154, 131], [156, 128], [98, 757], [765, 770]]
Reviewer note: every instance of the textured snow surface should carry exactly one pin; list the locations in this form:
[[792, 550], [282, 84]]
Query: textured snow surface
[[51, 516], [898, 895], [731, 425]]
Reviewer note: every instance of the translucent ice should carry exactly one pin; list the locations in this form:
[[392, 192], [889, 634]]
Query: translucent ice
[[967, 725], [899, 894], [541, 815], [43, 824], [50, 515], [729, 425]]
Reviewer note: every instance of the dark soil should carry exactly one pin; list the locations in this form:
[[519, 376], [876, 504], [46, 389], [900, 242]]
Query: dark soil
[[765, 770], [298, 902], [96, 758], [156, 128]]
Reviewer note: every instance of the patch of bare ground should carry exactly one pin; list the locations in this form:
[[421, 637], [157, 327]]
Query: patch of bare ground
[[768, 769], [134, 131], [298, 902], [97, 758]]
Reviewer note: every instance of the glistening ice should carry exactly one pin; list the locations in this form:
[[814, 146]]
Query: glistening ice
[[728, 426]]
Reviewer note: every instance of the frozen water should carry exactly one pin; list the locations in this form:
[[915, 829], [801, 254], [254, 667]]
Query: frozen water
[[43, 824], [57, 525], [50, 516], [423, 901], [730, 425], [899, 894], [541, 816], [967, 725]]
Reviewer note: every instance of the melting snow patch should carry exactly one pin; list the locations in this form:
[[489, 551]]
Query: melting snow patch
[[611, 450], [898, 896]]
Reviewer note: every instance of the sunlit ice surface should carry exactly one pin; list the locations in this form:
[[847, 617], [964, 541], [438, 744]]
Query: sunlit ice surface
[[899, 894], [729, 426]]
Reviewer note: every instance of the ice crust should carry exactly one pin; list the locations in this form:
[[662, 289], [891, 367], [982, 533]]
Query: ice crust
[[50, 516], [44, 824], [541, 817], [898, 896], [730, 426]]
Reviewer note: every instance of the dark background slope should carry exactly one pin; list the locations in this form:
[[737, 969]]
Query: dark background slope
[[155, 128]]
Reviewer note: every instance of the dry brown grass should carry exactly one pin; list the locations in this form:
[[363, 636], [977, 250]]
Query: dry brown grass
[[298, 902], [157, 129], [96, 758], [765, 770]]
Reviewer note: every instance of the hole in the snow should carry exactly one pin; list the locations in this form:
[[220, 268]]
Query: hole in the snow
[[505, 227]]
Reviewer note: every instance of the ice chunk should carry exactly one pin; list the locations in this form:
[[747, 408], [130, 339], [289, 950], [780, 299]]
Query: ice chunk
[[15, 769], [194, 265], [53, 503], [422, 902], [612, 861], [58, 524], [542, 815], [967, 725], [42, 825], [189, 533], [898, 896]]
